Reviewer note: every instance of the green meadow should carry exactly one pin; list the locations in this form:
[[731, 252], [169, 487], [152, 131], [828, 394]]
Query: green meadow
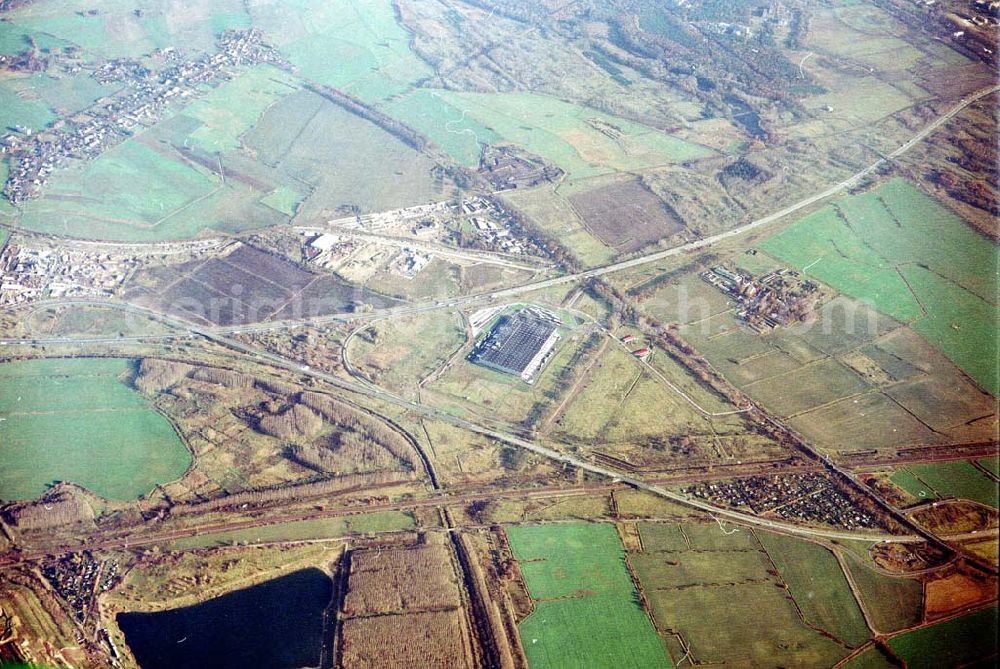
[[116, 31], [587, 612], [818, 584], [233, 108], [563, 133], [75, 420], [957, 479], [898, 250], [962, 642], [283, 199], [353, 45], [450, 127], [131, 193]]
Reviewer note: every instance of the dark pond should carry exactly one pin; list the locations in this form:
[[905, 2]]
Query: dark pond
[[274, 625], [745, 116]]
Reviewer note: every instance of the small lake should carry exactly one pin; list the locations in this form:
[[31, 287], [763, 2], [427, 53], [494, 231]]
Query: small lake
[[275, 625]]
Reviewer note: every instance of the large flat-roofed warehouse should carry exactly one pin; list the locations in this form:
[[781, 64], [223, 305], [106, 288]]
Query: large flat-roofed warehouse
[[519, 344]]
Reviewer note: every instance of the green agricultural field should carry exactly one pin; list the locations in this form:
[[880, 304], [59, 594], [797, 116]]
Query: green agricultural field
[[448, 126], [662, 537], [818, 584], [233, 108], [64, 94], [15, 111], [898, 250], [621, 402], [115, 31], [699, 569], [560, 133], [15, 39], [75, 420], [310, 143], [991, 465], [554, 216], [284, 200], [711, 537], [903, 479], [304, 530], [960, 642], [354, 45], [823, 246], [960, 324], [589, 615], [893, 602], [870, 659], [125, 194], [885, 99], [711, 593], [958, 479], [807, 387]]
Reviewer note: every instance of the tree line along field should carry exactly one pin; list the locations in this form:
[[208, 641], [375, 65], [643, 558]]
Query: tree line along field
[[586, 611], [914, 261], [76, 420]]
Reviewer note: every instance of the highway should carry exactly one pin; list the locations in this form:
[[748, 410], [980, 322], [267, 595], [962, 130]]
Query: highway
[[223, 337], [658, 255], [375, 392]]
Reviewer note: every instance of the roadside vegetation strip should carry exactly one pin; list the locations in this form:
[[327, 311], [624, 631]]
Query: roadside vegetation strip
[[74, 420], [587, 612], [966, 641], [818, 584]]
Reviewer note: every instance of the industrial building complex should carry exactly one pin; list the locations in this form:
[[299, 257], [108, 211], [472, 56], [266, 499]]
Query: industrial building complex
[[519, 344]]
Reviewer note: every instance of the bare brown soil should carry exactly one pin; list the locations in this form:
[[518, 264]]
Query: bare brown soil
[[626, 216]]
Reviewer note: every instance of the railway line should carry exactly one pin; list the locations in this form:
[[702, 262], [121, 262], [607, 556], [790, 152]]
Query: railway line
[[225, 337]]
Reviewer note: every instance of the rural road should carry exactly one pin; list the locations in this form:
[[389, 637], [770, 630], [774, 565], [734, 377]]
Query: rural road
[[220, 336], [644, 259], [486, 257]]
